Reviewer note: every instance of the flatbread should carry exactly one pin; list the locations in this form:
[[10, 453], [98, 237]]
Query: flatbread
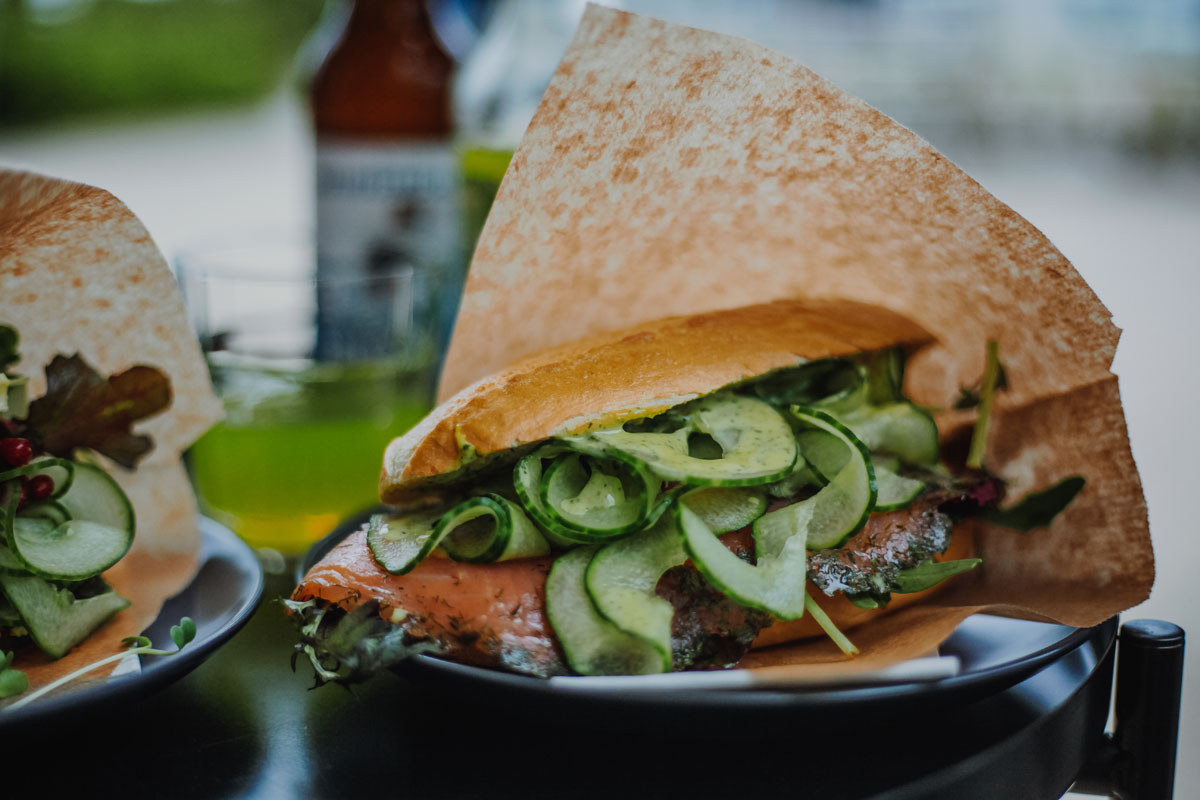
[[671, 171], [79, 273]]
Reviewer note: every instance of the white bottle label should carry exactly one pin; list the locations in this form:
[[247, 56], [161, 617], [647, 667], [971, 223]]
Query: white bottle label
[[386, 206]]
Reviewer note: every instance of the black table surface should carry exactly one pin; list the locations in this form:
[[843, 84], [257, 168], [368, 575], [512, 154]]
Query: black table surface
[[244, 725]]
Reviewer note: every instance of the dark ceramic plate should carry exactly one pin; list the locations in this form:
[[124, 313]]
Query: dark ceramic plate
[[995, 653], [220, 599]]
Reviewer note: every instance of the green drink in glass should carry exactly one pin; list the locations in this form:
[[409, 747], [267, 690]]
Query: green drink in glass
[[302, 442], [300, 450]]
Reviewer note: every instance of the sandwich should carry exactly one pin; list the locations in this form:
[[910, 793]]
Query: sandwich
[[660, 498]]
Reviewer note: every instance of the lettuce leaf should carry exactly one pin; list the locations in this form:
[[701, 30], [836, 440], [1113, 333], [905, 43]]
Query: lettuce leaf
[[83, 409]]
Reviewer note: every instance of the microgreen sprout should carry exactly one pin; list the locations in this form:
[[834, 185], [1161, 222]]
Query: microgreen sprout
[[831, 630], [181, 635], [987, 393]]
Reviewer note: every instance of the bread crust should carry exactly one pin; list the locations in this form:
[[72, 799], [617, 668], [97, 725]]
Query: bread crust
[[627, 374]]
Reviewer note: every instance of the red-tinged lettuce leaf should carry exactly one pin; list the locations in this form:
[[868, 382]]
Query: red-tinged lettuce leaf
[[83, 409]]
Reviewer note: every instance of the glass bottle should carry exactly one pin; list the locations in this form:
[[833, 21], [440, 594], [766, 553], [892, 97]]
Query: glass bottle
[[387, 181]]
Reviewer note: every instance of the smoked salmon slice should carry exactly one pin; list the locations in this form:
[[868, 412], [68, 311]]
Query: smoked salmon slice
[[493, 615]]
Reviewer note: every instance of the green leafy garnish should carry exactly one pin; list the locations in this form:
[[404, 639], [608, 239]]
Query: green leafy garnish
[[83, 409], [931, 573], [349, 648], [917, 578], [181, 635], [1036, 510]]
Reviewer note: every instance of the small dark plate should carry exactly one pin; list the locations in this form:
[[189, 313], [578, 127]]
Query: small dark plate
[[220, 599], [995, 653]]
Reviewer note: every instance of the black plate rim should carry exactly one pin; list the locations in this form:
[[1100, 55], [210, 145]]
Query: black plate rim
[[964, 686], [218, 542]]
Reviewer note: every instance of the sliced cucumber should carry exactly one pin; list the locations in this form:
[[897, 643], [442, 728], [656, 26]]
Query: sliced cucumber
[[840, 508], [55, 618], [481, 529], [827, 455], [587, 494], [885, 375], [8, 616], [621, 579], [901, 429], [774, 585], [52, 510], [592, 644], [97, 533], [489, 528], [401, 541], [800, 479], [824, 452], [756, 444], [885, 461], [94, 496], [895, 491], [75, 550], [10, 563], [727, 508]]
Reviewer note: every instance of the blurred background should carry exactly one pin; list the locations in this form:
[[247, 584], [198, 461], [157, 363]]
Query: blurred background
[[206, 116]]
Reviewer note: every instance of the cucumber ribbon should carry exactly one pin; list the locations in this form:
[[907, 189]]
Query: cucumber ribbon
[[776, 582], [481, 529], [82, 529], [841, 507], [756, 444], [587, 494], [621, 578]]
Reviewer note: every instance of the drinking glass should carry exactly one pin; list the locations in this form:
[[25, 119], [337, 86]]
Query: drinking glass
[[317, 375]]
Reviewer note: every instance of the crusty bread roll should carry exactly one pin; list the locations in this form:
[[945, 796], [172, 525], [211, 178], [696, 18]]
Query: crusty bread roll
[[636, 372]]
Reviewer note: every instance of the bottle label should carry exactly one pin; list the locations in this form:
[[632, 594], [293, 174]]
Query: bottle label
[[387, 206], [384, 204]]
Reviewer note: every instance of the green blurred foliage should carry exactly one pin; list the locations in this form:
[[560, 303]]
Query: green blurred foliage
[[76, 58]]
